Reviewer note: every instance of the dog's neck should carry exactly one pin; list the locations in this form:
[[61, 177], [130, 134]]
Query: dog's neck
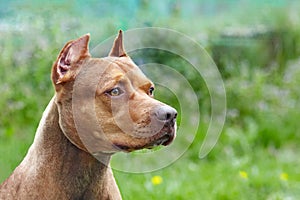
[[55, 168]]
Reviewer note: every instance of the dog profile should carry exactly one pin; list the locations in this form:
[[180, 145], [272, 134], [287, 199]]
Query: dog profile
[[101, 106]]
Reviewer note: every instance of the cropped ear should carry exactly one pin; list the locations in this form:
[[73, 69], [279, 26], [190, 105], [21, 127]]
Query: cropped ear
[[117, 49], [66, 64]]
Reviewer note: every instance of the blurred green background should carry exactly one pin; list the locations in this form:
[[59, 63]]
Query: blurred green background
[[256, 46]]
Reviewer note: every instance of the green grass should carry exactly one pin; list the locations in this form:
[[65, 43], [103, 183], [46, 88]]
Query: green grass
[[12, 151], [256, 156], [218, 175], [218, 179]]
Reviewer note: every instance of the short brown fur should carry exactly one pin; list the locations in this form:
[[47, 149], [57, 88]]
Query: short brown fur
[[61, 163]]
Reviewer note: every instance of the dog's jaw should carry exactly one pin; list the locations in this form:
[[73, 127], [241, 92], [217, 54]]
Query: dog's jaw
[[164, 137]]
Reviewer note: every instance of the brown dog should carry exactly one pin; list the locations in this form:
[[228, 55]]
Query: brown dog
[[101, 106]]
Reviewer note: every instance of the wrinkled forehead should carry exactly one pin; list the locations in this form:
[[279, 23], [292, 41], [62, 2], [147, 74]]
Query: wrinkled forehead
[[118, 68]]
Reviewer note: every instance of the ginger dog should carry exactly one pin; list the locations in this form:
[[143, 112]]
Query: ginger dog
[[101, 106]]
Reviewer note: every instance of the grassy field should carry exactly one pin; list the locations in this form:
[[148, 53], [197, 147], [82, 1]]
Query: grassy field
[[257, 155]]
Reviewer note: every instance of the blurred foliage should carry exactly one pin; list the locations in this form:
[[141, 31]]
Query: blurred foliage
[[255, 45]]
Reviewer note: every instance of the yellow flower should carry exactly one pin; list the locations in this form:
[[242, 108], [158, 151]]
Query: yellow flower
[[156, 180], [284, 176], [243, 174]]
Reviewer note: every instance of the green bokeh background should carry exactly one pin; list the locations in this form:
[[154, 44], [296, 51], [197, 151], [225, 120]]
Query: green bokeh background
[[255, 45]]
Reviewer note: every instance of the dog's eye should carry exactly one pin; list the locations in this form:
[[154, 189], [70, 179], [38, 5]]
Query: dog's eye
[[151, 90], [115, 92]]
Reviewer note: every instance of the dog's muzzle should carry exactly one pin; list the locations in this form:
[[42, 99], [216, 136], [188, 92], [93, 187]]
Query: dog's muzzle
[[163, 119], [166, 115]]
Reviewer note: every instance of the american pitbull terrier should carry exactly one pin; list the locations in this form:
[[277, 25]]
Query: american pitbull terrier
[[101, 106]]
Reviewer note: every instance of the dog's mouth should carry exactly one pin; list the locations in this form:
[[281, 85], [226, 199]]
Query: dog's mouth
[[164, 137]]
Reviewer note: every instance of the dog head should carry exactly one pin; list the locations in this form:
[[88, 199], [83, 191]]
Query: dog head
[[107, 104]]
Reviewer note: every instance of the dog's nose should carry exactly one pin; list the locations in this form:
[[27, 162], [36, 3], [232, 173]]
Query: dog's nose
[[166, 113]]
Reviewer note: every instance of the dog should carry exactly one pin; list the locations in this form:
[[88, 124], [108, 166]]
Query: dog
[[101, 106]]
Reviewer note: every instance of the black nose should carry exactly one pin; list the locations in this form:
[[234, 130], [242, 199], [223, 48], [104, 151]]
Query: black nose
[[166, 113]]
